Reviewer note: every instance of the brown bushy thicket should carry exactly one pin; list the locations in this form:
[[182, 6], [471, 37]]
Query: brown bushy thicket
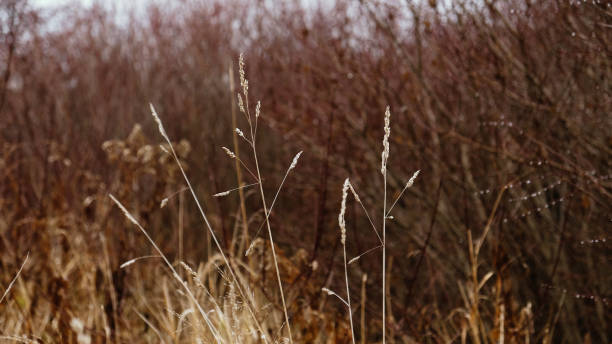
[[505, 107]]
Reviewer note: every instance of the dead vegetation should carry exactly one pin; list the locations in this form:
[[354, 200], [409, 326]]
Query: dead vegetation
[[503, 106]]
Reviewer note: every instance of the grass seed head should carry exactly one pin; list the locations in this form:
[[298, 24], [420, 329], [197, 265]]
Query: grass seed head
[[295, 160], [125, 211], [385, 152], [229, 152], [241, 104], [159, 123], [412, 179], [243, 81], [221, 194], [341, 220]]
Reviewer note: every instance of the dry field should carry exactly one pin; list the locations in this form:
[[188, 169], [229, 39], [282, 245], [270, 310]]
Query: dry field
[[270, 172]]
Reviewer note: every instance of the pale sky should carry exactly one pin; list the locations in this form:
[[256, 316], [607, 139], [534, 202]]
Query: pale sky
[[50, 3], [120, 5], [127, 4]]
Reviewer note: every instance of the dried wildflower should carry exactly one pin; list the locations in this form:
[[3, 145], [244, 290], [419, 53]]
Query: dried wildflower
[[341, 220], [295, 160], [128, 263], [221, 194], [411, 180], [329, 292], [243, 81], [385, 152], [229, 152], [159, 123], [225, 193], [241, 67]]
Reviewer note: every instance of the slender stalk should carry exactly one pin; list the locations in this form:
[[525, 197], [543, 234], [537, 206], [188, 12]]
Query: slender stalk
[[333, 293], [348, 294], [272, 205], [384, 258], [134, 260], [207, 223], [243, 214], [263, 200], [354, 259], [227, 192], [132, 219], [15, 278], [358, 199], [245, 85], [408, 184], [383, 170], [181, 224], [342, 224]]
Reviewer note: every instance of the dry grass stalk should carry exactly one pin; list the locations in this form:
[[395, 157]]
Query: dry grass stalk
[[253, 129], [347, 186], [385, 156], [243, 214], [206, 221], [175, 274], [342, 224], [15, 278]]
